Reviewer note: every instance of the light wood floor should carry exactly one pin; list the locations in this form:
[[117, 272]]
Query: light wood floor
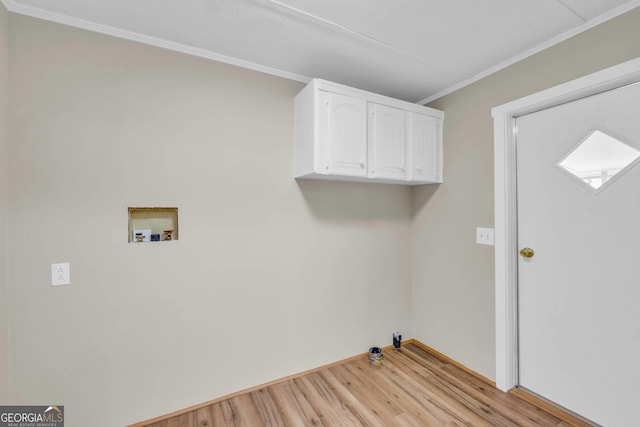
[[412, 387]]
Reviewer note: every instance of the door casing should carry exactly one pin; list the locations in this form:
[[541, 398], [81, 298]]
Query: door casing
[[505, 193]]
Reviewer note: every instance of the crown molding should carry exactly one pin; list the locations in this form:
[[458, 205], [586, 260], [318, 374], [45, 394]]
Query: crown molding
[[13, 6], [536, 49]]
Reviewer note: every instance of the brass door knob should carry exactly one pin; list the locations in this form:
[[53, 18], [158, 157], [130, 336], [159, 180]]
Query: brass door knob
[[527, 253]]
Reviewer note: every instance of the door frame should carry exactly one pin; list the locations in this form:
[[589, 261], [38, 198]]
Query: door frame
[[505, 193]]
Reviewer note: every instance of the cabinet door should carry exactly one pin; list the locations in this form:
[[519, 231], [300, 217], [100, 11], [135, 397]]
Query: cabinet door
[[424, 140], [343, 140], [387, 142]]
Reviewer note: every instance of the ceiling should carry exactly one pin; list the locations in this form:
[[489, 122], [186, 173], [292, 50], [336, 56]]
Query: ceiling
[[409, 49]]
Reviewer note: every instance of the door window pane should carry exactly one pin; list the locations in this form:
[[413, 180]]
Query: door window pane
[[598, 158]]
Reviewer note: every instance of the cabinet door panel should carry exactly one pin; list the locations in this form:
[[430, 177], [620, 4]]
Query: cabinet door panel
[[425, 149], [387, 138], [347, 119]]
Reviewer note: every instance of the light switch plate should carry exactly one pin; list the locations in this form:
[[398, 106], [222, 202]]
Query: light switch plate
[[484, 236], [60, 274]]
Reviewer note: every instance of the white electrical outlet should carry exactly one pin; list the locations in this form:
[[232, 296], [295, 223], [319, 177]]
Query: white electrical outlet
[[484, 236], [60, 274]]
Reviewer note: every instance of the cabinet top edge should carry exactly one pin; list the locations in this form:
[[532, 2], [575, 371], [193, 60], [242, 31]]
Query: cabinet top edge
[[320, 84]]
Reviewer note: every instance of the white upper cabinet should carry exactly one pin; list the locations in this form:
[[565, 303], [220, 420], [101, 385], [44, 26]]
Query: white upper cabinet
[[387, 142], [426, 148], [344, 119], [341, 133]]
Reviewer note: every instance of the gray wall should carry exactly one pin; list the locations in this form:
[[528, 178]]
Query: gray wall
[[453, 278], [4, 89], [270, 276]]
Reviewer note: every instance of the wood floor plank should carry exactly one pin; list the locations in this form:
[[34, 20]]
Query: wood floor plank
[[364, 388], [471, 404], [516, 412], [422, 404], [202, 418], [382, 381], [319, 394], [407, 420], [270, 412], [425, 373], [351, 403], [293, 405], [411, 388], [436, 401], [485, 400], [185, 420], [224, 414], [246, 412]]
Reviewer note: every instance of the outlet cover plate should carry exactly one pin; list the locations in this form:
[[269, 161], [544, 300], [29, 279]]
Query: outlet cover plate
[[60, 274], [484, 236]]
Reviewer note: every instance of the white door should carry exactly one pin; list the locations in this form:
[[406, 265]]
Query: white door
[[426, 158], [579, 294], [387, 142], [344, 145]]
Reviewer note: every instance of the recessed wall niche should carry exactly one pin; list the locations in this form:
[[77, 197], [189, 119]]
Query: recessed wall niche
[[153, 224]]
